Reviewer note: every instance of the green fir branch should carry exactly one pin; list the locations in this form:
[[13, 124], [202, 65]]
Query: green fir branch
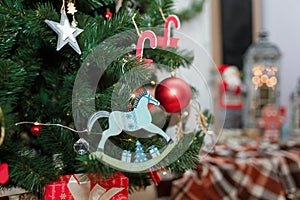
[[92, 6], [12, 81], [170, 58], [189, 13], [28, 173], [153, 16], [37, 84]]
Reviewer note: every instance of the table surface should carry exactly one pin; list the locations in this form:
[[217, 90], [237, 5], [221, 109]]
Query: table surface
[[264, 171]]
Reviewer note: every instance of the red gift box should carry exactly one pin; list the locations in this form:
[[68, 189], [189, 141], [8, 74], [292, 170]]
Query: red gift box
[[88, 187]]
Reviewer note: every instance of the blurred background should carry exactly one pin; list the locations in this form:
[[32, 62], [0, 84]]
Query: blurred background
[[227, 28]]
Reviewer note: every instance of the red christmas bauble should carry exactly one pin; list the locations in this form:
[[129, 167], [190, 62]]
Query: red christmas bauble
[[174, 94], [108, 14], [36, 129]]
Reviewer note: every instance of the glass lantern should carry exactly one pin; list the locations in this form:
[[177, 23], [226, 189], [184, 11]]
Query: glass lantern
[[295, 111], [261, 79]]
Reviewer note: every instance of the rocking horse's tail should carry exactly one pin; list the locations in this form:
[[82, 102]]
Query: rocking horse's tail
[[94, 117]]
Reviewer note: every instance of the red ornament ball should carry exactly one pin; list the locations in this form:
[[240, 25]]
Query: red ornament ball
[[108, 14], [36, 129], [174, 94]]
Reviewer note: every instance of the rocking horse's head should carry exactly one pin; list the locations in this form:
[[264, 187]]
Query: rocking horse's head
[[148, 97], [151, 99]]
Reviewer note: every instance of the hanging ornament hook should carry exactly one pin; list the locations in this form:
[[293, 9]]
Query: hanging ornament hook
[[162, 13], [63, 7], [141, 41], [135, 25], [201, 118]]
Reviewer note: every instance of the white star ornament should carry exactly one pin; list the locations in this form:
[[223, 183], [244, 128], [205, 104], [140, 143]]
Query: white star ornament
[[66, 33]]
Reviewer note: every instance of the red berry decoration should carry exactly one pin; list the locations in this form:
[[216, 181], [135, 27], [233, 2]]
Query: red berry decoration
[[108, 14], [36, 129], [174, 94]]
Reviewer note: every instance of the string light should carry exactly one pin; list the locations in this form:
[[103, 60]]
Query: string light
[[46, 124], [263, 75], [153, 83]]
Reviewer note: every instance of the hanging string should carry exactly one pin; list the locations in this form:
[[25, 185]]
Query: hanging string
[[63, 8], [179, 129], [162, 13], [2, 127], [135, 25], [201, 118], [59, 125]]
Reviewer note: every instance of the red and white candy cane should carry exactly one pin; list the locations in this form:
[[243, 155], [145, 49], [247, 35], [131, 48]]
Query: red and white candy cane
[[166, 40], [141, 41]]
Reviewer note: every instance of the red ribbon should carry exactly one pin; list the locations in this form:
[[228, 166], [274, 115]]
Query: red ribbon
[[4, 175]]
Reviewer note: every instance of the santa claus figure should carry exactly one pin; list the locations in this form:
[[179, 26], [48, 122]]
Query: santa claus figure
[[230, 93], [230, 97]]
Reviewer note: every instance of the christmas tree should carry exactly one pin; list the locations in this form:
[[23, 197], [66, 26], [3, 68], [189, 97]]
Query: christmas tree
[[38, 74], [140, 154]]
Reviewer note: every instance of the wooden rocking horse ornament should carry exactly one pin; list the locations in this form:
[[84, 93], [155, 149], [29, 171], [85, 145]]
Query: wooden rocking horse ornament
[[138, 118]]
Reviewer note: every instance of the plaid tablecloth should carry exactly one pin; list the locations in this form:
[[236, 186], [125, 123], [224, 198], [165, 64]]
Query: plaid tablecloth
[[244, 173]]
